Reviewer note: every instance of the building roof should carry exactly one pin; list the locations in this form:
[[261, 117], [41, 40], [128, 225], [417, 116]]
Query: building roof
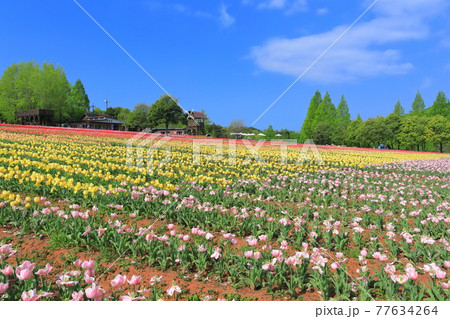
[[197, 115], [99, 118]]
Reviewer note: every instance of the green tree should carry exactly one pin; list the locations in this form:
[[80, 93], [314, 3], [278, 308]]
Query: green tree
[[270, 133], [307, 127], [26, 86], [78, 100], [343, 120], [139, 116], [353, 136], [125, 116], [441, 106], [394, 123], [375, 131], [418, 105], [166, 111], [398, 109], [18, 89], [412, 132], [325, 121], [53, 91], [437, 131]]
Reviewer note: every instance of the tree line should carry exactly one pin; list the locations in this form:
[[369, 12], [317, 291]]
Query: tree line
[[421, 129], [28, 85]]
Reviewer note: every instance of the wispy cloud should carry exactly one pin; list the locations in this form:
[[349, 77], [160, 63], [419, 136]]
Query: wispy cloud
[[179, 8], [363, 52], [225, 18], [289, 6], [322, 11]]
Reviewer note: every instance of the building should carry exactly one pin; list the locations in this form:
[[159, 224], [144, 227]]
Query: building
[[196, 123], [35, 117], [98, 121]]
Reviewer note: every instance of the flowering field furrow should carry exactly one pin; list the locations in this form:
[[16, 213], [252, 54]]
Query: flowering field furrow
[[356, 225]]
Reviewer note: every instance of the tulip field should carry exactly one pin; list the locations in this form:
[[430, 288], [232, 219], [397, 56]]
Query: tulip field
[[82, 218]]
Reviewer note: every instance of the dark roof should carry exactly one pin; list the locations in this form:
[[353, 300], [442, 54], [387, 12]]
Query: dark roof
[[99, 118], [197, 115]]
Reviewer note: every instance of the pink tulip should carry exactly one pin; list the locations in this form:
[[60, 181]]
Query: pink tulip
[[3, 287], [440, 274], [118, 281], [90, 272], [88, 264], [77, 263], [24, 274], [248, 254], [170, 226], [209, 236], [186, 237], [25, 265], [401, 279], [100, 232], [390, 269], [95, 292], [257, 255], [77, 296], [8, 271], [363, 253], [64, 280], [252, 241], [173, 289], [88, 279], [447, 264], [45, 271], [155, 279], [173, 233], [411, 273], [30, 295], [135, 280], [216, 253], [268, 267], [276, 253], [194, 231], [383, 257]]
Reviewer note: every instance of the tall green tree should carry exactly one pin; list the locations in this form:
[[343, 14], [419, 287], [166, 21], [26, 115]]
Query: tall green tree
[[343, 120], [398, 109], [325, 121], [418, 105], [26, 85], [307, 127], [166, 111], [53, 91], [78, 100], [441, 106], [18, 89]]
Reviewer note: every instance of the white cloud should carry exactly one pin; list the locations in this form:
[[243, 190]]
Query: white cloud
[[363, 52], [322, 11], [225, 18], [289, 6], [272, 4]]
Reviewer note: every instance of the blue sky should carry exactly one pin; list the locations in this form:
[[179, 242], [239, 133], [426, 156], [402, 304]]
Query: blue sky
[[234, 58]]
